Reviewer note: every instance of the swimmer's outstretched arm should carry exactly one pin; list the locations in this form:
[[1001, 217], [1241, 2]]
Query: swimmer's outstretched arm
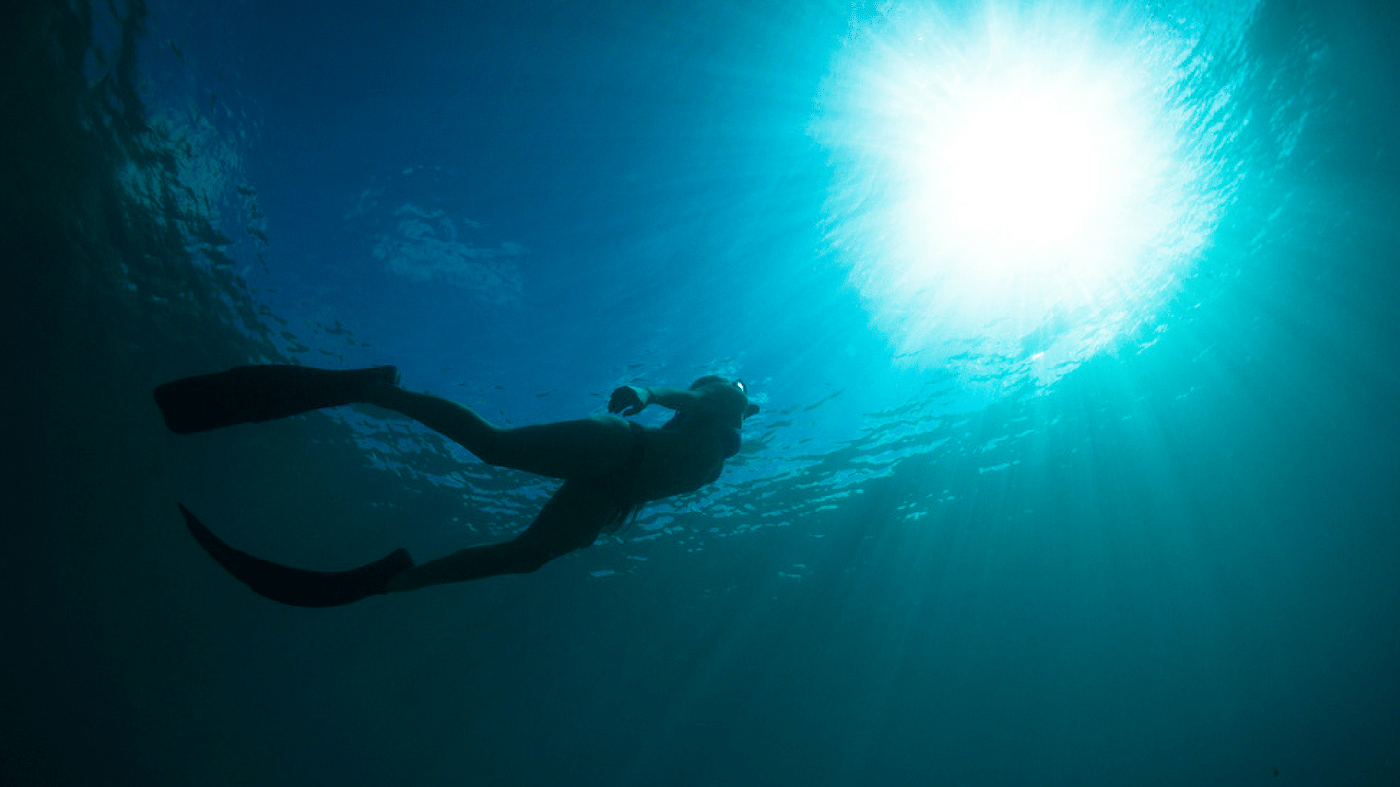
[[720, 401], [632, 399]]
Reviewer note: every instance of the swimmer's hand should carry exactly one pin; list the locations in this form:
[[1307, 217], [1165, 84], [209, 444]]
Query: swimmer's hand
[[629, 400]]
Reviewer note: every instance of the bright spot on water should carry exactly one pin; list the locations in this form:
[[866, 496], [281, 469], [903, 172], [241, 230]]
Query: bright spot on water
[[1016, 192]]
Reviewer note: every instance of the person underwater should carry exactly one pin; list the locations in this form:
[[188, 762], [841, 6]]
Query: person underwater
[[610, 466]]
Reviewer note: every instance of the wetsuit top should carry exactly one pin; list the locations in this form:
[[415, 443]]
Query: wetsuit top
[[732, 438], [732, 441]]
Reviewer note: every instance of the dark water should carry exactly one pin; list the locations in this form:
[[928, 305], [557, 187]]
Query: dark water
[[1172, 561]]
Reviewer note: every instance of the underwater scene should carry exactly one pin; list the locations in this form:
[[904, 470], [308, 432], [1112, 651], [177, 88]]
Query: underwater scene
[[912, 392]]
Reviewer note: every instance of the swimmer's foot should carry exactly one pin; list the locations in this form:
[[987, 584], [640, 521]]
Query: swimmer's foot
[[249, 394], [376, 380], [299, 587]]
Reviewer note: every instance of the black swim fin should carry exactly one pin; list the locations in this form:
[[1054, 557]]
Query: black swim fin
[[295, 586], [247, 394]]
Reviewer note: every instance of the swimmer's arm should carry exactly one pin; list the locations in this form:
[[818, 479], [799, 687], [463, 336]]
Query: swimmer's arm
[[674, 398], [632, 399], [715, 401]]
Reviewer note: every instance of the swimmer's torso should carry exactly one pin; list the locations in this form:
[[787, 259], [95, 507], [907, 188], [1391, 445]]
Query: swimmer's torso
[[678, 460]]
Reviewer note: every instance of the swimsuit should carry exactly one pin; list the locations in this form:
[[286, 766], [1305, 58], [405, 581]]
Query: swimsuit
[[621, 481], [732, 437]]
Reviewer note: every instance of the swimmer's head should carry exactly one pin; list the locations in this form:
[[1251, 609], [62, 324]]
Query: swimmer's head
[[737, 384], [709, 379]]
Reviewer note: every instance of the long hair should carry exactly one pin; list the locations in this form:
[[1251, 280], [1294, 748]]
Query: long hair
[[623, 517]]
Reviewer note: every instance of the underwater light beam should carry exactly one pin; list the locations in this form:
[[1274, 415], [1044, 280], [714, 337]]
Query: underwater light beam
[[1013, 193]]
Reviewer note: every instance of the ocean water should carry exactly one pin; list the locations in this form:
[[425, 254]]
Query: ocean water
[[1050, 486]]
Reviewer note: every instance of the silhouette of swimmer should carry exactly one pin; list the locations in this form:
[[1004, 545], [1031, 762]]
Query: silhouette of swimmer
[[610, 466]]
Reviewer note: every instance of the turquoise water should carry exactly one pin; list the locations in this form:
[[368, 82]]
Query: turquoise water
[[1128, 523]]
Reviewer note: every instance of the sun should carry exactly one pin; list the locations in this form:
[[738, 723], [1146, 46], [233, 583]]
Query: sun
[[1033, 185], [1011, 193], [1031, 171]]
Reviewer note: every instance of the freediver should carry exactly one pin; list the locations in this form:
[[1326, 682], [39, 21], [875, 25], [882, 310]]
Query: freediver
[[610, 466]]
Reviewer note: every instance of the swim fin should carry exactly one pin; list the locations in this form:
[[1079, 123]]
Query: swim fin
[[247, 394], [295, 586]]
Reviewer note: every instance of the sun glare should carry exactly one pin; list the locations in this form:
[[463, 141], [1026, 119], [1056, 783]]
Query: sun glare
[[1012, 194], [1029, 171]]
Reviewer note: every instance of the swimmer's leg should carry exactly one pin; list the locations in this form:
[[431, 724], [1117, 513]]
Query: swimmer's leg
[[576, 450], [249, 394], [571, 520]]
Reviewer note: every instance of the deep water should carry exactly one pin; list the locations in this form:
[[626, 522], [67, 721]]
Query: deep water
[[1176, 560]]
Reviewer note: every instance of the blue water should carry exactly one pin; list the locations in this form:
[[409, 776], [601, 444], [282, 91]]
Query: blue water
[[1148, 537]]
